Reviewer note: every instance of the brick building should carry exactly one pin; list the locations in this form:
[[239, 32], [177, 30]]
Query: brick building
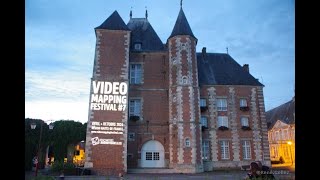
[[163, 105]]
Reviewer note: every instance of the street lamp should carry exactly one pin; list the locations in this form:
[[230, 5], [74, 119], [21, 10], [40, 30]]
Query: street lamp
[[290, 143], [33, 126], [36, 161]]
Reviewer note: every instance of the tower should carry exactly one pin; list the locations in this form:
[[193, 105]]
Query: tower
[[184, 109], [106, 141]]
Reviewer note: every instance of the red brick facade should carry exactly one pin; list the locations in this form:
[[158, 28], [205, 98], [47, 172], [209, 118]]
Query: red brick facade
[[169, 113]]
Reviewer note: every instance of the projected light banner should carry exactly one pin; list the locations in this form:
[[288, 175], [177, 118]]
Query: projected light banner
[[108, 96]]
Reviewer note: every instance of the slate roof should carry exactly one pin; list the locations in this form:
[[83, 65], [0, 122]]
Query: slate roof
[[142, 32], [182, 26], [283, 113], [113, 22], [222, 69]]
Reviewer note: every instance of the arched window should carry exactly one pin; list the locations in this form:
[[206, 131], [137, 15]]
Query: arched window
[[184, 80]]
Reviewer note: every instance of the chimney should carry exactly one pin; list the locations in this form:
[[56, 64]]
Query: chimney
[[204, 52], [246, 67]]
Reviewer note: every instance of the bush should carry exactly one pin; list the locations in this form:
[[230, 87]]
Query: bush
[[57, 166]]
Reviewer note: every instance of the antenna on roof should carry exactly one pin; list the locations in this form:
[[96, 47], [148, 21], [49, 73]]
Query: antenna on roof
[[146, 13], [227, 50], [181, 3], [131, 12]]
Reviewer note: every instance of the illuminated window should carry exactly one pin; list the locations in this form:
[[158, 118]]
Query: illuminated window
[[205, 150], [135, 107], [222, 104], [244, 121], [223, 121], [246, 149], [135, 73], [187, 142], [224, 148], [285, 151], [203, 102], [204, 121], [243, 102]]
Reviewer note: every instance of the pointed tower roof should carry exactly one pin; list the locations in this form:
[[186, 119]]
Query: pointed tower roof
[[182, 26], [114, 22], [142, 32]]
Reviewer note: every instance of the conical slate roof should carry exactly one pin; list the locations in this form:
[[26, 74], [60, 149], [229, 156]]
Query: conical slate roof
[[114, 22], [182, 26], [142, 32]]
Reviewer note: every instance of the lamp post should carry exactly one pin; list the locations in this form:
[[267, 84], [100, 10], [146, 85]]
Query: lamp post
[[290, 143], [36, 161], [33, 126]]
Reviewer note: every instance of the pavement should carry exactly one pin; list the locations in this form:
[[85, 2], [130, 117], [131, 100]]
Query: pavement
[[280, 172]]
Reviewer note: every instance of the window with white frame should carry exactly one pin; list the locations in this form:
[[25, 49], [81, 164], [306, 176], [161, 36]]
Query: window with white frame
[[135, 107], [184, 80], [135, 73], [205, 150], [204, 121], [224, 148], [245, 121], [131, 136], [277, 136], [187, 142], [223, 121], [221, 104], [246, 149], [203, 102], [285, 134], [243, 102]]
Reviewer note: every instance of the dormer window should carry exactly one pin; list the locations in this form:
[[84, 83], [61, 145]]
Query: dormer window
[[137, 46]]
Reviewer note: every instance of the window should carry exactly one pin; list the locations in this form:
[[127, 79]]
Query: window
[[223, 121], [184, 80], [222, 104], [204, 121], [129, 156], [285, 151], [203, 102], [137, 46], [244, 121], [135, 107], [224, 148], [243, 102], [131, 136], [277, 136], [187, 143], [285, 134], [135, 73], [156, 156], [149, 156], [205, 150], [246, 149]]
